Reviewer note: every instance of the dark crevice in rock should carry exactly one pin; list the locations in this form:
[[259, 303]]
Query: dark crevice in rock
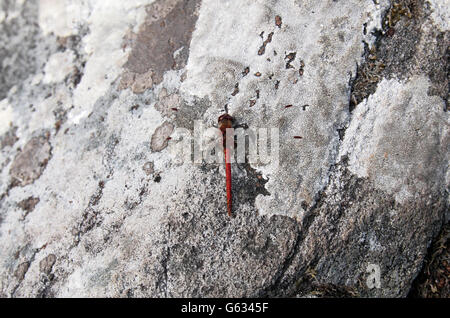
[[329, 290], [91, 217], [280, 286], [157, 178], [434, 279], [132, 204], [236, 90], [334, 243], [275, 289], [341, 133], [23, 267], [402, 49], [95, 198], [367, 75], [47, 278], [47, 282], [75, 44]]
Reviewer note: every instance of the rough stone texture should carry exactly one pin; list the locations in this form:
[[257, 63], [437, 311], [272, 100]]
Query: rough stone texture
[[96, 99], [28, 204], [433, 280], [31, 161], [160, 137], [46, 264], [163, 40]]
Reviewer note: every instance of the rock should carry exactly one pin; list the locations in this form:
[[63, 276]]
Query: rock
[[160, 139], [163, 39], [31, 162], [148, 167], [21, 270], [46, 264], [9, 138], [102, 106], [28, 204]]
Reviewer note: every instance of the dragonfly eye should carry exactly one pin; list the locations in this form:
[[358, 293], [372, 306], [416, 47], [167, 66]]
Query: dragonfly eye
[[225, 117]]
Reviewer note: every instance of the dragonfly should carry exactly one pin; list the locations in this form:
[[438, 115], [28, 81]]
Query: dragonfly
[[226, 121]]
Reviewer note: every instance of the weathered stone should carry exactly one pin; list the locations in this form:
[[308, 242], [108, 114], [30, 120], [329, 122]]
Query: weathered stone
[[160, 139], [21, 270], [162, 43], [9, 138], [357, 91], [148, 167], [28, 204], [31, 161], [19, 38], [46, 264]]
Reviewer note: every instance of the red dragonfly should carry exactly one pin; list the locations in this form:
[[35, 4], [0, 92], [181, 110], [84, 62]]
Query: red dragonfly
[[226, 121]]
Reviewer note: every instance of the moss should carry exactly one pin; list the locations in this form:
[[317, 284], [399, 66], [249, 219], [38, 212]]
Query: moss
[[394, 50], [398, 10], [434, 279]]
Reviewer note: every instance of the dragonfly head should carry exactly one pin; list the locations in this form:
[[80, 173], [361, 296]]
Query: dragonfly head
[[225, 121]]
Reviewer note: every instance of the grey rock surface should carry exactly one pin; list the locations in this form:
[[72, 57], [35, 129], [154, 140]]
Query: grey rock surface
[[98, 98]]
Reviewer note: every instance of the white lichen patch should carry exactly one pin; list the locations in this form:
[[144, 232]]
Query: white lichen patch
[[440, 13], [59, 65], [307, 61], [125, 216], [108, 23], [13, 10], [2, 16], [61, 17], [6, 116], [43, 110], [399, 139], [37, 79]]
